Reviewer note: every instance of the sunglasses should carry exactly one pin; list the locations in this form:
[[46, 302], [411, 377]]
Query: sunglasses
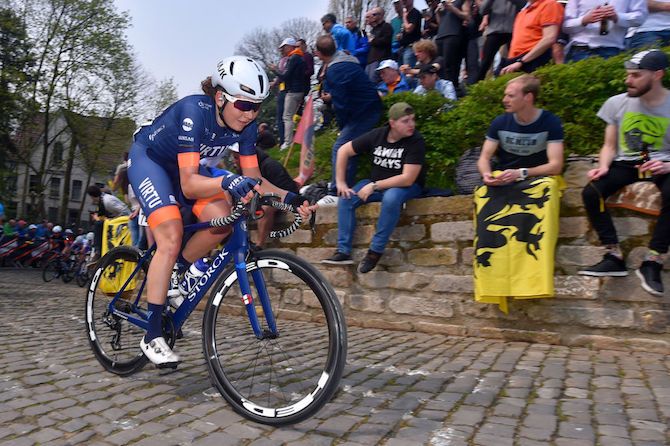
[[241, 104]]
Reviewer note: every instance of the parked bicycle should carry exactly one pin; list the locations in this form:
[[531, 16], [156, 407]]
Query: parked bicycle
[[274, 335]]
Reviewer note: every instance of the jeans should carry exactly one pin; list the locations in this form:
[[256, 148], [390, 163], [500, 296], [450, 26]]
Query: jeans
[[351, 131], [291, 103], [134, 228], [620, 175], [577, 53], [656, 39], [392, 200]]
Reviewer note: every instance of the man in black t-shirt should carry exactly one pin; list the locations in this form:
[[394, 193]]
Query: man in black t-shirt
[[398, 173], [411, 32]]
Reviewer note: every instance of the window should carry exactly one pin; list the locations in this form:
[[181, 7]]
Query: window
[[57, 156], [52, 214], [73, 216], [75, 194], [54, 188], [34, 183]]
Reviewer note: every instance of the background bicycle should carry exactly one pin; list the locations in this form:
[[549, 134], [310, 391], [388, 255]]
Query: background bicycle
[[264, 307]]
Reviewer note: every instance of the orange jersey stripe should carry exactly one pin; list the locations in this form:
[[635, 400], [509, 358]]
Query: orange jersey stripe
[[163, 214], [202, 202], [189, 159], [248, 161]]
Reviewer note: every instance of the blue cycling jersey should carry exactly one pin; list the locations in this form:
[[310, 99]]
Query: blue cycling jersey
[[189, 125]]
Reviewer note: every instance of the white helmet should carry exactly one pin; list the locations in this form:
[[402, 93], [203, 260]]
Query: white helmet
[[90, 236], [242, 76], [57, 229], [69, 231]]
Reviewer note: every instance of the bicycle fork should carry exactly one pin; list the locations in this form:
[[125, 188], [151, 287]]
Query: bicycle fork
[[247, 299]]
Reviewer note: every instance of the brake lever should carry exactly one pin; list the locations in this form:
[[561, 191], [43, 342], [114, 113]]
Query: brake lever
[[312, 222]]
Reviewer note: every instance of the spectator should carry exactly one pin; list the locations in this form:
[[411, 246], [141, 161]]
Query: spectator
[[274, 172], [344, 40], [429, 81], [2, 213], [584, 22], [396, 24], [265, 140], [118, 182], [535, 30], [309, 64], [21, 229], [398, 171], [636, 148], [426, 54], [281, 94], [450, 36], [8, 230], [514, 254], [497, 24], [392, 80], [353, 96], [379, 40], [430, 23], [471, 49], [108, 207], [411, 32], [294, 79], [361, 47], [655, 31]]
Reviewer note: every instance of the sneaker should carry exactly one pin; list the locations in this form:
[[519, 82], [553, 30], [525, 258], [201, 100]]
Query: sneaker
[[339, 258], [610, 265], [369, 262], [650, 277], [159, 353], [328, 200], [285, 146]]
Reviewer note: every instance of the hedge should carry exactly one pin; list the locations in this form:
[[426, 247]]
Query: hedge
[[573, 91]]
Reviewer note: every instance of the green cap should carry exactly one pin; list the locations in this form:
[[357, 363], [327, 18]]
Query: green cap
[[399, 110]]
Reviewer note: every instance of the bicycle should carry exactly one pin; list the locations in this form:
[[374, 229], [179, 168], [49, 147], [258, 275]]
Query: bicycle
[[278, 365]]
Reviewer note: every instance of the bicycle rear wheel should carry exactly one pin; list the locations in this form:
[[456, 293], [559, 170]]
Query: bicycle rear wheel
[[82, 274], [284, 378], [51, 270], [114, 341], [68, 271]]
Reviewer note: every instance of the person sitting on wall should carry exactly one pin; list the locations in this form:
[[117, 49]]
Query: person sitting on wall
[[398, 174], [517, 208], [636, 148]]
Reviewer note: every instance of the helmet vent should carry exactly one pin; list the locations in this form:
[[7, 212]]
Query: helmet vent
[[261, 82], [232, 64], [246, 89]]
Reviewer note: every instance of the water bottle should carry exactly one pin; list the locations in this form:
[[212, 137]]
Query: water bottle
[[192, 276]]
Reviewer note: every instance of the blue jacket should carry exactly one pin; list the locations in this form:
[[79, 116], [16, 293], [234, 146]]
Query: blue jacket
[[402, 86], [354, 95], [344, 40], [362, 48]]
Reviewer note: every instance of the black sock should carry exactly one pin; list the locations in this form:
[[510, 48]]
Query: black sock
[[155, 322]]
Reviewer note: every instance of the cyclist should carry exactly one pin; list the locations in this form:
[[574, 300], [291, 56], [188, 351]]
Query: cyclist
[[168, 167]]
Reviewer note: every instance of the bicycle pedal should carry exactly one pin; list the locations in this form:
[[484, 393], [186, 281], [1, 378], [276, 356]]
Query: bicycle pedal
[[168, 365]]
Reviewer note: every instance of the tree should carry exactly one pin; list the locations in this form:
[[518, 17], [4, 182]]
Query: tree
[[357, 8], [262, 44], [82, 63]]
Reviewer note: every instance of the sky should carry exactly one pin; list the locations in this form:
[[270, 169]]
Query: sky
[[185, 40]]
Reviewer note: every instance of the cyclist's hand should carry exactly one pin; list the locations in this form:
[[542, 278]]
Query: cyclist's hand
[[239, 187]]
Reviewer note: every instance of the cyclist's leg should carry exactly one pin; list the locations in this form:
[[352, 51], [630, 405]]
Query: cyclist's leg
[[155, 191], [202, 242]]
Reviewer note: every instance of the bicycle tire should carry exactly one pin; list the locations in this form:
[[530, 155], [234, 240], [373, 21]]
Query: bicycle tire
[[115, 342], [82, 274], [51, 270], [68, 271], [303, 365]]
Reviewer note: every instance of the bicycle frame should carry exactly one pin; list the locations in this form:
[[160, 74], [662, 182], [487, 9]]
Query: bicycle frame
[[235, 249]]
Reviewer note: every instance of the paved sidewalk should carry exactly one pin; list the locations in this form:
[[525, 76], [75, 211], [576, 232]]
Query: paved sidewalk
[[398, 389]]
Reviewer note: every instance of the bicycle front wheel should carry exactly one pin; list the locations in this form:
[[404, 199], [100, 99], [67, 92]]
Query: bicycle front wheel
[[51, 270], [114, 341], [286, 376], [68, 271]]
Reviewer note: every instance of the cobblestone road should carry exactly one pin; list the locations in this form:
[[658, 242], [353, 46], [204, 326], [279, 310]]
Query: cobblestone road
[[398, 389]]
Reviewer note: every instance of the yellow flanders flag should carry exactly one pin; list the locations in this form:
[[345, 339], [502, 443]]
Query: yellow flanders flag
[[516, 227]]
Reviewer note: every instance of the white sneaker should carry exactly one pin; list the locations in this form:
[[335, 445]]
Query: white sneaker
[[285, 146], [159, 353], [328, 200]]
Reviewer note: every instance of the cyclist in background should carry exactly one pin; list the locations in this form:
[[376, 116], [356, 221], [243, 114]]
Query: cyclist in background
[[168, 167]]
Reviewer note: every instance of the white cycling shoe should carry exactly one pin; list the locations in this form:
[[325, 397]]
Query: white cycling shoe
[[160, 353]]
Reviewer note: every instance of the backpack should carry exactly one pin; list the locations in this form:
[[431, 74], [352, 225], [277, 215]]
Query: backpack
[[467, 174], [315, 192]]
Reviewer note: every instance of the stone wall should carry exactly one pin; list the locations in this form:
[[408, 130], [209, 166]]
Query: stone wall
[[424, 280]]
